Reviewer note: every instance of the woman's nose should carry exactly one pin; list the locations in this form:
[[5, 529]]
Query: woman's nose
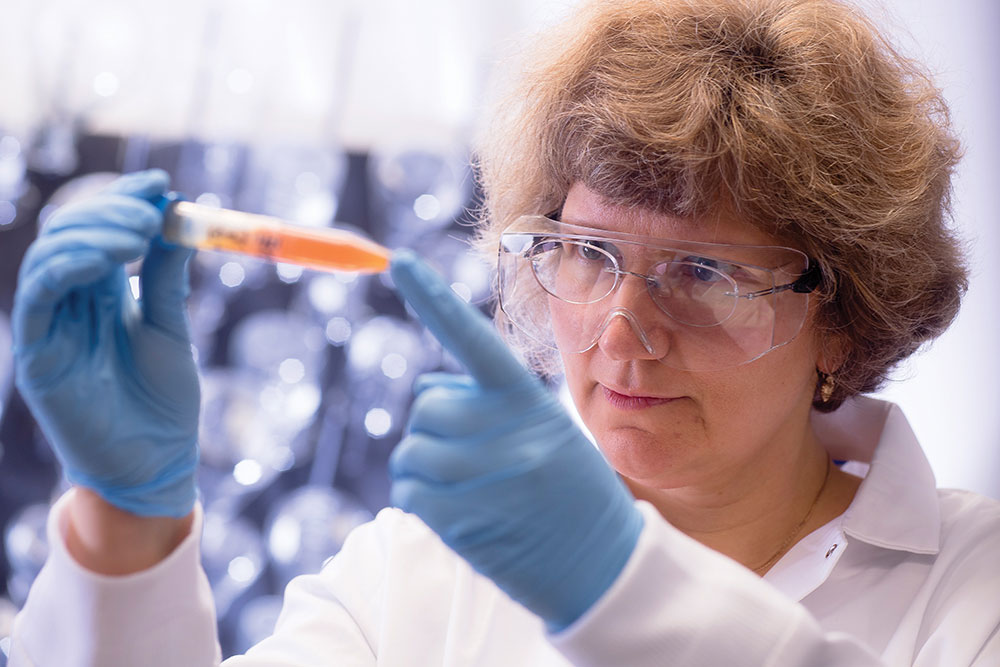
[[634, 327]]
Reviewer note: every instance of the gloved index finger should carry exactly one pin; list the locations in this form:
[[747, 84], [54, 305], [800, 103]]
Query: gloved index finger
[[462, 330]]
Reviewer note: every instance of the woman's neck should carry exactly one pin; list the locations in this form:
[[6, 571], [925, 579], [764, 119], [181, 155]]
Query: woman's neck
[[761, 510]]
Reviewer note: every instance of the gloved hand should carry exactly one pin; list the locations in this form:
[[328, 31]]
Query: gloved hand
[[496, 467], [111, 381]]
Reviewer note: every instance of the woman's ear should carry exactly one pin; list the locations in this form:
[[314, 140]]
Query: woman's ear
[[831, 353]]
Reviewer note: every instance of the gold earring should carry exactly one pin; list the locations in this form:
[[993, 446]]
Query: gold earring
[[826, 389]]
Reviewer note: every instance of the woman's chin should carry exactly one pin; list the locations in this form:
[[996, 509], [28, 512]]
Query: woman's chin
[[643, 457]]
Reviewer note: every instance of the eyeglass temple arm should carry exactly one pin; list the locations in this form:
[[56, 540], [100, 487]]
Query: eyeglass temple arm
[[806, 283]]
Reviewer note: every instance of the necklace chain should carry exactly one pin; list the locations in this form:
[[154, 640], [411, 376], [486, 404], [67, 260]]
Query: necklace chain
[[788, 540]]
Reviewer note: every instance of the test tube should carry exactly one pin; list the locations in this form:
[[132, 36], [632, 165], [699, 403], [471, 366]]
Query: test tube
[[210, 228]]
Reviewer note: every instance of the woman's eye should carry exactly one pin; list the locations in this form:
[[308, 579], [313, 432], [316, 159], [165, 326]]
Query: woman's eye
[[591, 252], [704, 269], [597, 251]]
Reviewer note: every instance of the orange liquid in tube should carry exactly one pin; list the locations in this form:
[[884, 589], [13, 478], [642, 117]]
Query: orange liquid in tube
[[207, 228]]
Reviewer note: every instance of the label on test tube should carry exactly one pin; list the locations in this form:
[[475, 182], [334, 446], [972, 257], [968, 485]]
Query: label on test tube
[[208, 228]]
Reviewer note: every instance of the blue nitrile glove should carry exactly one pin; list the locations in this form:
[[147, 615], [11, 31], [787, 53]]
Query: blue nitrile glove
[[111, 381], [495, 465]]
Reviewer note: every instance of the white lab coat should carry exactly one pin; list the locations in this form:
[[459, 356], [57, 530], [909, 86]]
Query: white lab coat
[[908, 575]]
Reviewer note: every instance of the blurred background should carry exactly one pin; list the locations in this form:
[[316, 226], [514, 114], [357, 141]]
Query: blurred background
[[357, 115]]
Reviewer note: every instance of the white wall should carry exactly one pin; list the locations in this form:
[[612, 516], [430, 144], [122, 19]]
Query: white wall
[[951, 392]]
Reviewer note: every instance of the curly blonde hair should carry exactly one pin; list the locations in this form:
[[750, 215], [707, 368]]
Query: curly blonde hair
[[797, 114]]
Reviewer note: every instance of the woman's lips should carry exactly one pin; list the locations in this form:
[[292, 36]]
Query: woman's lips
[[626, 402]]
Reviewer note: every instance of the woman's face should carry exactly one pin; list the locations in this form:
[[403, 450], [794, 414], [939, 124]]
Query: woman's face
[[664, 428]]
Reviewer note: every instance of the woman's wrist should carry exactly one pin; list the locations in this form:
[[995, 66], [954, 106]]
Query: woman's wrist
[[108, 540]]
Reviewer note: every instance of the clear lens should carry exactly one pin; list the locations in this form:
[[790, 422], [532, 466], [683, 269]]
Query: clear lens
[[722, 305], [574, 271], [694, 291]]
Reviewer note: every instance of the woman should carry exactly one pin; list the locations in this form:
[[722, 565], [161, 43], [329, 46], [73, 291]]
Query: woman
[[724, 220]]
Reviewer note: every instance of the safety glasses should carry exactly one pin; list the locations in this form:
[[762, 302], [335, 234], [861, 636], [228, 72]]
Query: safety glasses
[[715, 305]]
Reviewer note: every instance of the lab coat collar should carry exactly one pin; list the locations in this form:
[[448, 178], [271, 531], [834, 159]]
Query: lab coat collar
[[896, 506]]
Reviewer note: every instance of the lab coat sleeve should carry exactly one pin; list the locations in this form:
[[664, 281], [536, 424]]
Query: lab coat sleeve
[[73, 617], [332, 617], [960, 624], [679, 603], [990, 654], [165, 616]]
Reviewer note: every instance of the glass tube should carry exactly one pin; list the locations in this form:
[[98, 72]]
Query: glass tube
[[209, 228]]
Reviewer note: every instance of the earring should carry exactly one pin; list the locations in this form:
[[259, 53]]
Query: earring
[[826, 389]]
